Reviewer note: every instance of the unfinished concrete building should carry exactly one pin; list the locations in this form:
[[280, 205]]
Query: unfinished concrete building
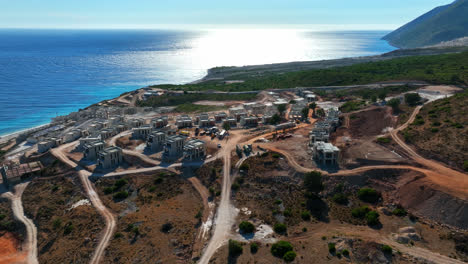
[[135, 122], [92, 149], [12, 174], [285, 125], [317, 135], [110, 157], [107, 133], [159, 122], [174, 146], [250, 121], [156, 140], [72, 135], [266, 119], [114, 120], [183, 121], [220, 116], [231, 121], [141, 132], [87, 140], [325, 153], [194, 149], [47, 144]]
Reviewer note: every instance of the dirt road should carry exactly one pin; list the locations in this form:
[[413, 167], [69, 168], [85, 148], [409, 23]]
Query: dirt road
[[95, 200], [31, 230], [226, 213]]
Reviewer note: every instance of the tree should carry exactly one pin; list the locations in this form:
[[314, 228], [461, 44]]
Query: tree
[[275, 119], [226, 126], [394, 103], [246, 227], [374, 98], [305, 113], [412, 98], [372, 218], [320, 112], [313, 181], [289, 256], [281, 109], [280, 248], [368, 195], [382, 95], [279, 228], [235, 248]]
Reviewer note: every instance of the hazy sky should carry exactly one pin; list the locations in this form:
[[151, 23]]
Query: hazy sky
[[377, 14]]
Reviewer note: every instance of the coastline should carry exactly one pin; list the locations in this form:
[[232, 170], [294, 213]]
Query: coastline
[[221, 73]]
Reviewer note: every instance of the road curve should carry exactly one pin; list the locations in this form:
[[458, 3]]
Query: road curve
[[95, 200], [31, 230]]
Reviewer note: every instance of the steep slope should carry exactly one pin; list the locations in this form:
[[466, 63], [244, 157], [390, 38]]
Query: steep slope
[[443, 23]]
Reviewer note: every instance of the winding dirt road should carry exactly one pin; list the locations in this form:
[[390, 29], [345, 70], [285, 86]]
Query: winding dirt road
[[31, 230], [95, 200]]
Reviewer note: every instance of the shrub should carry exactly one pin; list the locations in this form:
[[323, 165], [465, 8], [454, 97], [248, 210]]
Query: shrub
[[108, 190], [235, 186], [68, 229], [394, 103], [246, 227], [121, 195], [368, 195], [287, 213], [345, 252], [340, 198], [280, 248], [278, 202], [383, 140], [399, 212], [152, 189], [253, 247], [313, 181], [120, 183], [360, 212], [386, 249], [118, 235], [289, 256], [2, 216], [324, 238], [275, 155], [57, 223], [235, 248], [305, 215], [244, 167], [412, 98], [158, 180], [166, 227], [372, 218], [331, 248], [465, 165], [434, 130], [279, 228]]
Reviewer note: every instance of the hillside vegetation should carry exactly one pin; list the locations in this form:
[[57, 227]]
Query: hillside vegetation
[[440, 131], [443, 23], [437, 69]]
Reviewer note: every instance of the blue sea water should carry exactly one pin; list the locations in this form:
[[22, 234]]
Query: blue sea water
[[44, 73]]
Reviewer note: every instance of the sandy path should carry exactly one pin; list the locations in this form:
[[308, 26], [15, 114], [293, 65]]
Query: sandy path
[[226, 213], [95, 200], [31, 230]]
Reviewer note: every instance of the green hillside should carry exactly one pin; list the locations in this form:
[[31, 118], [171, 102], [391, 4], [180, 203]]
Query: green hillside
[[443, 23]]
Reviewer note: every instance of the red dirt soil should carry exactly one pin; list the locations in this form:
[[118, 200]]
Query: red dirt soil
[[9, 249]]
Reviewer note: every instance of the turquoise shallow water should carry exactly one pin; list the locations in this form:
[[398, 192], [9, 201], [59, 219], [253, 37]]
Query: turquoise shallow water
[[44, 73]]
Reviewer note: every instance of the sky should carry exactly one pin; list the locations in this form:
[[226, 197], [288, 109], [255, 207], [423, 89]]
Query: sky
[[339, 14]]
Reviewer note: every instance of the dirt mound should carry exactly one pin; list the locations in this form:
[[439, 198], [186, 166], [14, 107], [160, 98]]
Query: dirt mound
[[418, 195], [9, 248], [370, 122]]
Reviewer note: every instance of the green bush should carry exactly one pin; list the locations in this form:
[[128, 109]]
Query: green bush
[[121, 195], [345, 252], [434, 130], [278, 202], [386, 249], [340, 198], [305, 215], [280, 248], [368, 195], [118, 235], [57, 223], [158, 180], [399, 212], [384, 140], [289, 256], [313, 181], [412, 98], [2, 216], [152, 189], [235, 186], [166, 227], [246, 227], [108, 190], [360, 212], [235, 248], [372, 218], [287, 213], [275, 155], [120, 183], [331, 248], [244, 167], [465, 165], [253, 247], [279, 228], [68, 229]]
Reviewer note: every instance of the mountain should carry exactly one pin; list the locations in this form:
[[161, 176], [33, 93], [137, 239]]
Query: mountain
[[443, 23]]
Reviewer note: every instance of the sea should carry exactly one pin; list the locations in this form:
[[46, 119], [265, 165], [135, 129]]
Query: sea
[[45, 73]]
